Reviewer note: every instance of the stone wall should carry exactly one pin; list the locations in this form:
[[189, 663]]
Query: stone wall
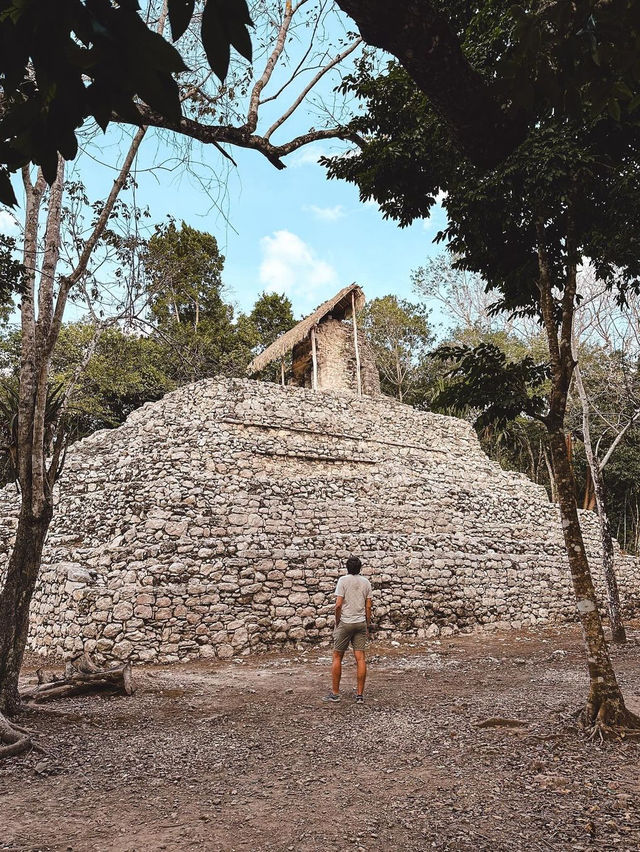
[[217, 520], [336, 357], [337, 369]]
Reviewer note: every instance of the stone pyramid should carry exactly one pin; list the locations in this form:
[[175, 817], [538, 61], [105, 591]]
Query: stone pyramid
[[217, 520]]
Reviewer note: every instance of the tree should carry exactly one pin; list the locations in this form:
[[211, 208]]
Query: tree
[[271, 316], [38, 437], [187, 311], [401, 337], [56, 68], [598, 317], [184, 275], [568, 192], [465, 299], [269, 319], [62, 63], [561, 57], [470, 320], [124, 372], [10, 275], [468, 306], [60, 66]]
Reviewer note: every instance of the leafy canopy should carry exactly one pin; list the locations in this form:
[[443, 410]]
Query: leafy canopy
[[575, 178], [65, 61]]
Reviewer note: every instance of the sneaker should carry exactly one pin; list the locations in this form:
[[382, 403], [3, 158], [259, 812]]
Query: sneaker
[[359, 699], [333, 697]]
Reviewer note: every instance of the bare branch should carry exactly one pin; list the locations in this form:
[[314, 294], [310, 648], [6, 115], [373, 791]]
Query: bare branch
[[68, 282], [254, 102], [313, 82], [633, 419]]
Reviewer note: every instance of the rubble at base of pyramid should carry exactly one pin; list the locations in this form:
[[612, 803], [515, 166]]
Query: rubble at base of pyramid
[[216, 522]]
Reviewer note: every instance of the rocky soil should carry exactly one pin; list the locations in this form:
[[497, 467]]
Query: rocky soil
[[243, 755]]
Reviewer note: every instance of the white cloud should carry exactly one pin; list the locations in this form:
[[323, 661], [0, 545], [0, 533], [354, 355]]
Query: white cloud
[[327, 214], [428, 224], [289, 265], [8, 224], [307, 156]]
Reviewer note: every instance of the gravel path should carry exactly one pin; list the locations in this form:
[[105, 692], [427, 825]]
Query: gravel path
[[245, 756]]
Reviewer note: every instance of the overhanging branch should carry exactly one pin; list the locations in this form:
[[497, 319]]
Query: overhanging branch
[[422, 40], [241, 137]]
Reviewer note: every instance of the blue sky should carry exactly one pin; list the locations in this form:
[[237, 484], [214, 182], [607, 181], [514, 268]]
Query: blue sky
[[290, 231]]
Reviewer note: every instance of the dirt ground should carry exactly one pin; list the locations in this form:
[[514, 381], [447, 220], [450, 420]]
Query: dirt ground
[[245, 756]]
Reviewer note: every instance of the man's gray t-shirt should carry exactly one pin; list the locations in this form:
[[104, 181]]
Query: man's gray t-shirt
[[355, 589]]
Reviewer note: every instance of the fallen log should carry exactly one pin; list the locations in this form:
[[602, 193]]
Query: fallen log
[[81, 676]]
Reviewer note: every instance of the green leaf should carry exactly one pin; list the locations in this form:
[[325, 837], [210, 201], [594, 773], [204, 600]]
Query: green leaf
[[47, 158], [7, 195], [68, 144], [613, 107], [180, 14], [214, 39], [236, 15]]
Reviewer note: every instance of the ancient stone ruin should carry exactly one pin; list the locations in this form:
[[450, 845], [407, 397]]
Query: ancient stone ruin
[[217, 520], [326, 349]]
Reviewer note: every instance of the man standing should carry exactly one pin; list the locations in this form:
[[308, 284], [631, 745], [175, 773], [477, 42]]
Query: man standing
[[353, 619]]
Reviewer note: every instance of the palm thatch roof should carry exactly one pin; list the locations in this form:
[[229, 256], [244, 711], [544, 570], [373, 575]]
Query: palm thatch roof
[[340, 307]]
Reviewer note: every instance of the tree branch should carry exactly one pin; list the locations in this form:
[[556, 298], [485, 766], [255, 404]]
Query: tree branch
[[422, 40], [238, 136], [633, 419], [254, 101], [303, 94]]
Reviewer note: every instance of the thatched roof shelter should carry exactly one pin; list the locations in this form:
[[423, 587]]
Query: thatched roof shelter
[[339, 307]]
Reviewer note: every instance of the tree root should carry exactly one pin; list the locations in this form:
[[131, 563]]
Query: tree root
[[80, 677], [13, 739], [611, 722]]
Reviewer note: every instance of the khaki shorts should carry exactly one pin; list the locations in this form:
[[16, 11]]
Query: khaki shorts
[[346, 633]]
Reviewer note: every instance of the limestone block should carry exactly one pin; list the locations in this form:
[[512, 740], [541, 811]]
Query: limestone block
[[77, 574], [122, 611], [240, 638], [176, 528], [145, 612]]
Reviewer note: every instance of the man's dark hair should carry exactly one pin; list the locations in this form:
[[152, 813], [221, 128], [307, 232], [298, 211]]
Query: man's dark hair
[[353, 565]]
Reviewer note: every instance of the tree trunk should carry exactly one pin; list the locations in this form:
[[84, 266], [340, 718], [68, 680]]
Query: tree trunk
[[596, 481], [15, 599], [605, 707], [115, 680], [589, 499], [605, 713], [618, 633]]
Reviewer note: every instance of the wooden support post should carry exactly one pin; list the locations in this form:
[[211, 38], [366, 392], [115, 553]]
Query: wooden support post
[[282, 371], [314, 360], [355, 343]]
